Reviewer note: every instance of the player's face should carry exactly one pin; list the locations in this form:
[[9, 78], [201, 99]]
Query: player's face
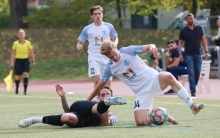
[[171, 47], [190, 20], [104, 93], [97, 15], [114, 55], [21, 35]]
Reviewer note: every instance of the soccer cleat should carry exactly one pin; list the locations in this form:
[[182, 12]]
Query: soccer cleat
[[172, 120], [196, 108], [25, 122], [115, 101]]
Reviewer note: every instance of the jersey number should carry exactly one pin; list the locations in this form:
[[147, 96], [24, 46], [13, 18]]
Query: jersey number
[[136, 104], [92, 70]]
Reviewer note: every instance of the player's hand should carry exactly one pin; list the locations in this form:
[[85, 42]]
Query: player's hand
[[11, 65], [79, 46], [153, 49], [167, 54], [33, 64], [60, 90], [207, 55], [181, 58]]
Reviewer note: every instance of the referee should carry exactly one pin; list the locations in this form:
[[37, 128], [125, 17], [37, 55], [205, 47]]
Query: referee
[[21, 65]]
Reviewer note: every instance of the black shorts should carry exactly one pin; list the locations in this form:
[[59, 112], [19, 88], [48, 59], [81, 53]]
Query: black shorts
[[83, 110], [21, 65]]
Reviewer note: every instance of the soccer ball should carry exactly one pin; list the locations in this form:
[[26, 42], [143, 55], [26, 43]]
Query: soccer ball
[[159, 115]]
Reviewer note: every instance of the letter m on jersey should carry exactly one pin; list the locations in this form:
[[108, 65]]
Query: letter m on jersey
[[129, 74]]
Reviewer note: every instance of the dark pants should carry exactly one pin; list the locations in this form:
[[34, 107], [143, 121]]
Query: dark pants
[[177, 71], [21, 66]]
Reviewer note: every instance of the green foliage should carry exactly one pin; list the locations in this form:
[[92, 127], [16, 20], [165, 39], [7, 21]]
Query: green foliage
[[4, 13], [16, 107], [63, 15]]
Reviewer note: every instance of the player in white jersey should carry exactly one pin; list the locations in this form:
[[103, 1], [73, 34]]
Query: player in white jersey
[[145, 82], [96, 33]]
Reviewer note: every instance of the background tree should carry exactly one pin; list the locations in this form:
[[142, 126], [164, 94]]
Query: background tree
[[4, 14], [18, 14]]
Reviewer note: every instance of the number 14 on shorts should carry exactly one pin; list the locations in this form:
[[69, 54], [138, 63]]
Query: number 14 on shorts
[[136, 104]]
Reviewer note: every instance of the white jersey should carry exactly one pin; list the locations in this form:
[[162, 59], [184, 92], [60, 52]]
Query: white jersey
[[131, 69], [96, 35]]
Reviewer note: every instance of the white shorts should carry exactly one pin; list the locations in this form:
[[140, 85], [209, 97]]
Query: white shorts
[[96, 68], [145, 100]]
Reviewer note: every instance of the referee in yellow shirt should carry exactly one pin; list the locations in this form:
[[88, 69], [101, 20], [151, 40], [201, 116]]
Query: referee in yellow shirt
[[20, 51]]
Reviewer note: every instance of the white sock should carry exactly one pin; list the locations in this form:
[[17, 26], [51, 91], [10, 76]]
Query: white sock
[[37, 119], [184, 95]]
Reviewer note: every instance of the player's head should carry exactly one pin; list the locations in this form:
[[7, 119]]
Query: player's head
[[21, 34], [96, 13], [109, 49], [171, 45], [105, 92], [190, 18]]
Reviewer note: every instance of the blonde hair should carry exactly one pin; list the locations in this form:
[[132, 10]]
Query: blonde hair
[[106, 47]]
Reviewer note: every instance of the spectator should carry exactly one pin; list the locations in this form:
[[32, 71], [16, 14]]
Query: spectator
[[155, 66], [217, 42], [158, 58], [192, 35], [20, 50], [174, 65]]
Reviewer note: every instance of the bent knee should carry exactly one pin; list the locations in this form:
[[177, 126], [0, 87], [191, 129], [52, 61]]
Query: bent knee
[[70, 119]]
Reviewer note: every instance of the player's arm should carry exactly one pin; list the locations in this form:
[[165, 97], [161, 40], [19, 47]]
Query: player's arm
[[13, 52], [204, 43], [180, 46], [149, 48], [105, 119], [115, 40], [169, 60], [31, 53], [79, 45], [97, 89], [61, 92], [174, 64]]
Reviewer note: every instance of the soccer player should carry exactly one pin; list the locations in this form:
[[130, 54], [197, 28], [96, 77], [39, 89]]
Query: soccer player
[[145, 82], [81, 113], [96, 33], [20, 50]]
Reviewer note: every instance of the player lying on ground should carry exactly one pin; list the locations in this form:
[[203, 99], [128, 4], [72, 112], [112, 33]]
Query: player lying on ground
[[144, 81], [81, 113]]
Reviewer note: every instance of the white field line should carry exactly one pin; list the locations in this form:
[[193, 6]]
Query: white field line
[[51, 97]]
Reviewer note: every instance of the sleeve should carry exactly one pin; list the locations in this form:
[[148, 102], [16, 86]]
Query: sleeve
[[84, 34], [107, 73], [113, 33], [176, 55], [202, 31], [131, 50], [181, 36], [29, 45], [14, 46]]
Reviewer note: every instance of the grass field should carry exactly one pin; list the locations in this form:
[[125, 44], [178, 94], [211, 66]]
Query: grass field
[[13, 108]]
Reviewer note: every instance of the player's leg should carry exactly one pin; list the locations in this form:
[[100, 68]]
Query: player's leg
[[165, 79], [26, 69], [94, 71], [18, 73]]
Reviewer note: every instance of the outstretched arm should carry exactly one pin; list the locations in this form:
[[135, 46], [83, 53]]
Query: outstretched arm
[[61, 92], [97, 89]]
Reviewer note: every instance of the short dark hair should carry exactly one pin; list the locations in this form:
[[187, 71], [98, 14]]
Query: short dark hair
[[171, 41], [189, 14], [97, 7]]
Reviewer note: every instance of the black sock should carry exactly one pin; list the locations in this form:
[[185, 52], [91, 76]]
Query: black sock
[[102, 108], [25, 81], [17, 84], [54, 120]]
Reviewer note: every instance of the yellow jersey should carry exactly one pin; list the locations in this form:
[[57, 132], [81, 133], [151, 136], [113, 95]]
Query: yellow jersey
[[22, 49]]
